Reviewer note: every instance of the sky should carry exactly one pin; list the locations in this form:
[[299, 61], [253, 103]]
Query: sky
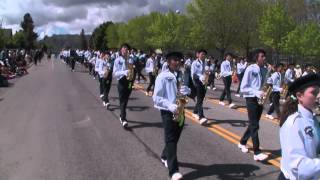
[[70, 16]]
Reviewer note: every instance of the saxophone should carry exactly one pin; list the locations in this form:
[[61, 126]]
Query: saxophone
[[107, 71], [206, 75], [181, 101], [267, 89], [284, 92], [130, 67], [155, 68]]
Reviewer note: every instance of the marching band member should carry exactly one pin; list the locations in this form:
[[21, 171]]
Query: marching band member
[[275, 81], [121, 71], [250, 88], [300, 132], [164, 98], [241, 66], [226, 73], [197, 71], [151, 71], [99, 63], [105, 72], [289, 75]]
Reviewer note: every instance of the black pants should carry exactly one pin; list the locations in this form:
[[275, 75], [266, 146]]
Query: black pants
[[72, 63], [240, 76], [152, 80], [172, 132], [227, 84], [139, 69], [100, 84], [282, 177], [106, 87], [201, 93], [124, 90], [275, 106], [254, 115], [211, 79]]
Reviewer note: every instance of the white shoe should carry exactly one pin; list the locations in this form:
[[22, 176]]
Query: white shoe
[[165, 162], [238, 95], [243, 148], [260, 157], [103, 104], [107, 105], [195, 116], [214, 88], [222, 103], [147, 94], [176, 176], [124, 123], [101, 95], [231, 105], [203, 120]]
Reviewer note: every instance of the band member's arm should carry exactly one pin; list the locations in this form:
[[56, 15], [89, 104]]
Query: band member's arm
[[117, 69], [195, 74], [225, 69], [149, 65], [159, 98], [246, 87], [289, 76]]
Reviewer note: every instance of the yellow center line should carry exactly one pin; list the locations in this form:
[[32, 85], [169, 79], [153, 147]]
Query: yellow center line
[[231, 137]]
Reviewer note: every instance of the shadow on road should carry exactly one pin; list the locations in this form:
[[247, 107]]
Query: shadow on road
[[130, 108], [222, 171], [139, 124], [234, 123]]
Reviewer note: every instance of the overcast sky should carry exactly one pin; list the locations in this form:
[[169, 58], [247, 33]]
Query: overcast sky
[[69, 16]]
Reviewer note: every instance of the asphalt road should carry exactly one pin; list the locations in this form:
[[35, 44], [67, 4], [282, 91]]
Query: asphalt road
[[53, 127]]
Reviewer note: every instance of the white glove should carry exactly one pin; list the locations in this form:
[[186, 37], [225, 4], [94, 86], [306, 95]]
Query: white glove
[[206, 68], [172, 108], [201, 78], [184, 90], [259, 94], [280, 90], [126, 72]]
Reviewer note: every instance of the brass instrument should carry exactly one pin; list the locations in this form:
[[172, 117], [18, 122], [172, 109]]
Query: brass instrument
[[267, 89], [155, 68], [130, 67], [284, 91], [181, 101], [218, 76]]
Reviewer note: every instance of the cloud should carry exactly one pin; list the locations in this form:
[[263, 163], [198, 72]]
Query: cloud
[[70, 16]]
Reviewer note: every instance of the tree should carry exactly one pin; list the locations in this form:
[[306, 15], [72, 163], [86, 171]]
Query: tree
[[29, 35], [247, 13], [17, 40], [97, 40], [83, 40], [304, 41], [167, 31], [216, 19], [274, 26], [111, 36]]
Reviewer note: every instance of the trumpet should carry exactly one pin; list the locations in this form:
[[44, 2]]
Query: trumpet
[[284, 91]]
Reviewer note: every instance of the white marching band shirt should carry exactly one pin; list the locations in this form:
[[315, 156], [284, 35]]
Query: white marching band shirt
[[275, 81], [150, 65], [225, 69], [299, 139], [251, 82]]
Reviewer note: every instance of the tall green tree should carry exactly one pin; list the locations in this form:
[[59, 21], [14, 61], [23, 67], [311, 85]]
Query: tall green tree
[[166, 32], [83, 40], [29, 35], [247, 13], [216, 19], [274, 26], [98, 40], [304, 41]]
